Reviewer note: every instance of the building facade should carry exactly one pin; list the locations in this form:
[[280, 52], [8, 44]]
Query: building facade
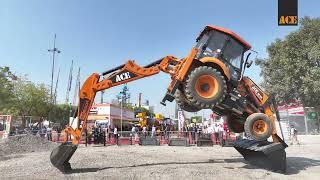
[[111, 116]]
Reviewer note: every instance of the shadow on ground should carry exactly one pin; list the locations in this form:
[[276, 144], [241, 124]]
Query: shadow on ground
[[294, 165], [297, 164]]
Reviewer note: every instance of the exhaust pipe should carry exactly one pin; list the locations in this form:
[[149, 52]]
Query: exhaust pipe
[[61, 155], [263, 154]]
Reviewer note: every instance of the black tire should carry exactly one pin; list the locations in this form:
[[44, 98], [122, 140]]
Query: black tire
[[234, 125], [183, 103], [250, 129], [191, 92]]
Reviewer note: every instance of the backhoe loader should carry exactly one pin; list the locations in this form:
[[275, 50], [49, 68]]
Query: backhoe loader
[[210, 77]]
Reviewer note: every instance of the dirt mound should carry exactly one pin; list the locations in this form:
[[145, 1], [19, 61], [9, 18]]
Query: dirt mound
[[25, 144]]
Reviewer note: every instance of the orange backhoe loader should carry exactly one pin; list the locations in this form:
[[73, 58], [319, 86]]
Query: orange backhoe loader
[[210, 77]]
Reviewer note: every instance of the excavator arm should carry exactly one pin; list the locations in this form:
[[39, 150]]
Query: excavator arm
[[120, 75], [125, 73]]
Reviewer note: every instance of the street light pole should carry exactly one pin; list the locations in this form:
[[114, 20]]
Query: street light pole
[[54, 50]]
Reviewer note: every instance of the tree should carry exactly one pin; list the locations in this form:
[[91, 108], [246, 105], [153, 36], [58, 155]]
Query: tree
[[6, 88], [60, 113], [29, 99], [292, 70]]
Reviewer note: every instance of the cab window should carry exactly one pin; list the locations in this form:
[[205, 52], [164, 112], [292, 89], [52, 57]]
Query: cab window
[[233, 53]]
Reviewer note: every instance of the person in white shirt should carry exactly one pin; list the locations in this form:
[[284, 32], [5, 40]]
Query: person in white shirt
[[294, 135], [144, 131], [115, 133], [153, 131], [216, 133], [49, 133], [133, 132]]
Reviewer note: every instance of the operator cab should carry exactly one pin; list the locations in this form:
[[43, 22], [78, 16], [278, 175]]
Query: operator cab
[[224, 45]]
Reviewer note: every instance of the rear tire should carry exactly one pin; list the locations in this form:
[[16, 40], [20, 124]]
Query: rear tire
[[205, 87], [183, 103], [234, 125], [258, 126]]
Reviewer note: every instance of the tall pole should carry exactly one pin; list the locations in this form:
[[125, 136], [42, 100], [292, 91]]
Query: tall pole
[[54, 50], [69, 83], [101, 100], [121, 115], [56, 89], [76, 89]]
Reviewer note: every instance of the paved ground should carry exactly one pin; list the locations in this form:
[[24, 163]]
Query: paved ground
[[164, 162]]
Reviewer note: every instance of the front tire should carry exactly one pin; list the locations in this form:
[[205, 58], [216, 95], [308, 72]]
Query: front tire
[[258, 126], [205, 87]]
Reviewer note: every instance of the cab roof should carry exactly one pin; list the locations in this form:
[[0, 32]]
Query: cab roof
[[228, 32]]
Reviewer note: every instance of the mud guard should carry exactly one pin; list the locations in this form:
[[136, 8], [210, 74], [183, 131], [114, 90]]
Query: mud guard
[[263, 154], [61, 155]]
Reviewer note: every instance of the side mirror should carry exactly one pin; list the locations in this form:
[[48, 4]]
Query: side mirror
[[248, 64]]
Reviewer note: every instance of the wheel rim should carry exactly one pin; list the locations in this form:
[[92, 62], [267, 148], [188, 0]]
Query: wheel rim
[[260, 127], [206, 86]]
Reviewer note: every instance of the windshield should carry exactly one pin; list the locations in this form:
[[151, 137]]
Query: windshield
[[233, 53], [219, 45]]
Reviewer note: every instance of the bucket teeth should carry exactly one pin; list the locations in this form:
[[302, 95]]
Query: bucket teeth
[[264, 154], [61, 155]]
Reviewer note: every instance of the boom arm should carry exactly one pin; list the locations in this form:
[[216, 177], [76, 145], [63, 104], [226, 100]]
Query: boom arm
[[122, 74]]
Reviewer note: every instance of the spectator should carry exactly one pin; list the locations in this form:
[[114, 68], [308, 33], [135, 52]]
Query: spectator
[[221, 132], [144, 131], [109, 132], [49, 133], [153, 131], [133, 132], [106, 132], [294, 135], [165, 131], [115, 133], [58, 132], [136, 129], [199, 131], [216, 133]]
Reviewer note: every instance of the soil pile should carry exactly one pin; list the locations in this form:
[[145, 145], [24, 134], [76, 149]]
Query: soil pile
[[25, 144]]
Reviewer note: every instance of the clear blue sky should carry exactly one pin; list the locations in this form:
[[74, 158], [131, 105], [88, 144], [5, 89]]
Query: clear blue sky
[[99, 35]]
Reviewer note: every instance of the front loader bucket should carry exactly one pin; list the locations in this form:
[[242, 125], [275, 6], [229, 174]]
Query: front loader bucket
[[61, 155], [264, 154]]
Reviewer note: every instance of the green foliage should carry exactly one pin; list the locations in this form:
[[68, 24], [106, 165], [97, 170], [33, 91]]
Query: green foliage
[[30, 99], [6, 87], [292, 70], [60, 113]]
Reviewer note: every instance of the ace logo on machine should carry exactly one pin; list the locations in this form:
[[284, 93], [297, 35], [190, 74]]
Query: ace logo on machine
[[122, 76], [287, 12]]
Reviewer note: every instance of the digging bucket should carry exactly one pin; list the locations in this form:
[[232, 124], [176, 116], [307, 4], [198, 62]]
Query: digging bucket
[[263, 154], [61, 155]]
